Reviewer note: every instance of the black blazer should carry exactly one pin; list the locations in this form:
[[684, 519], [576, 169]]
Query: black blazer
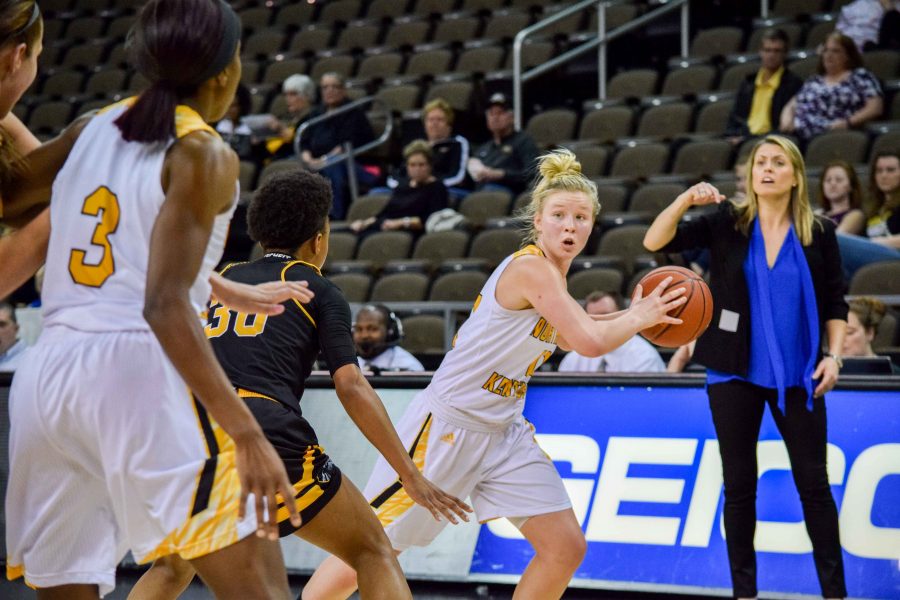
[[740, 111], [729, 351]]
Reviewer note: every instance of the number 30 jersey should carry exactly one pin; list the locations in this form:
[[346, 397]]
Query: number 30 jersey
[[105, 202]]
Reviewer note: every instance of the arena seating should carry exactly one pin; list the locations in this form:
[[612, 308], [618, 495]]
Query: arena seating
[[659, 130]]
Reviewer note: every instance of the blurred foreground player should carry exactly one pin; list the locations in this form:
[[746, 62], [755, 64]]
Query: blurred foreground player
[[112, 447]]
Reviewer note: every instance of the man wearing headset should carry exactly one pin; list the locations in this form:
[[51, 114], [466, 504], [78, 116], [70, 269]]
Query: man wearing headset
[[377, 334]]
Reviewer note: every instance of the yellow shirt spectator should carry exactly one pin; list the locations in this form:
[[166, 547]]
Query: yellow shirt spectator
[[760, 120]]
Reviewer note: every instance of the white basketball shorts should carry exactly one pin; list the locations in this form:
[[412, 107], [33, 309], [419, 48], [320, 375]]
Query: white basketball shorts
[[504, 474], [108, 452]]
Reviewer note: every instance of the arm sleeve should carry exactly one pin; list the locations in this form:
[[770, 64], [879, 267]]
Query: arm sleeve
[[361, 130], [868, 84], [462, 147], [833, 304], [696, 233], [527, 153], [737, 118], [333, 326]]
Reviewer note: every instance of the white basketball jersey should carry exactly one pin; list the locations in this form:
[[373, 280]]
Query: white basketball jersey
[[105, 202], [482, 382]]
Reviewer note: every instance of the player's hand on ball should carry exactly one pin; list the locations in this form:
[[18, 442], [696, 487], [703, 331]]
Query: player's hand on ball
[[262, 474], [702, 194], [436, 500], [654, 308]]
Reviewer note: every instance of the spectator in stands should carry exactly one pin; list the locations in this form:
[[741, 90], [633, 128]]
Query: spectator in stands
[[840, 197], [325, 140], [884, 185], [11, 347], [764, 347], [414, 200], [883, 226], [763, 95], [234, 129], [862, 324], [450, 153], [507, 160], [861, 21], [299, 95], [636, 355], [843, 94], [377, 333]]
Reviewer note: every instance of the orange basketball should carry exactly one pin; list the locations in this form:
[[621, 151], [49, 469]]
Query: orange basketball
[[695, 314]]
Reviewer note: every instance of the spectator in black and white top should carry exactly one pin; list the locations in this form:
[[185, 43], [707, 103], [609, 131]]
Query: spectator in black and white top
[[842, 95], [449, 152]]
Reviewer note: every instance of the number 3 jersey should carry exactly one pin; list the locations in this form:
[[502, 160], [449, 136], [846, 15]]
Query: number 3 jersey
[[482, 381], [105, 202]]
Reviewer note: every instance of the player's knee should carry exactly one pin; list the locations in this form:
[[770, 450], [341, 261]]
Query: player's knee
[[567, 551]]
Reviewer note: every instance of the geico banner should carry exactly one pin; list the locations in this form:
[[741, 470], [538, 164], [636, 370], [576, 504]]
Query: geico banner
[[643, 470]]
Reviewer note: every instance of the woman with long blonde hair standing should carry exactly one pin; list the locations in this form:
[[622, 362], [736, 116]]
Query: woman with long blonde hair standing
[[775, 274]]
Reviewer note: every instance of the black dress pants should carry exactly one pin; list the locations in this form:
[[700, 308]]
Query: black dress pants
[[737, 410]]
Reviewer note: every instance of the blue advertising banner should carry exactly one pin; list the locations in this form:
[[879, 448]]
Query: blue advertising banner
[[642, 467]]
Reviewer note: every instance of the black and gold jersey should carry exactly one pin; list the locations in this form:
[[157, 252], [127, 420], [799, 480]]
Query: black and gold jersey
[[271, 357]]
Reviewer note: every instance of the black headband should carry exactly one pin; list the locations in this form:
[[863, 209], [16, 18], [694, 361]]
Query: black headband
[[231, 35], [35, 13]]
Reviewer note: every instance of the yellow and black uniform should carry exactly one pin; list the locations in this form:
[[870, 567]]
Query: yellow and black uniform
[[268, 360]]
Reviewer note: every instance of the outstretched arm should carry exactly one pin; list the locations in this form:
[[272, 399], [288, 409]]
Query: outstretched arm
[[264, 298], [534, 281], [28, 192], [22, 253], [366, 410]]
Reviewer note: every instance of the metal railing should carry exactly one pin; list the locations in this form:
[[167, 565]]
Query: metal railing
[[349, 151], [600, 42]]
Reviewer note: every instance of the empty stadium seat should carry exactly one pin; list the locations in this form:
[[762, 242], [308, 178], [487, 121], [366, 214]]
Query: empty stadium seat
[[478, 207], [550, 127], [607, 124], [877, 279], [582, 283], [382, 246], [355, 286], [845, 145], [400, 287], [459, 286], [424, 334], [493, 245], [640, 161]]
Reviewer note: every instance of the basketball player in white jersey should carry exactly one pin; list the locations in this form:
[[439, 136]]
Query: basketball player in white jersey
[[126, 434], [466, 431], [23, 251]]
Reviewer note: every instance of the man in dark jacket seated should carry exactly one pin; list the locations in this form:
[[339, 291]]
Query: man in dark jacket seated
[[763, 94]]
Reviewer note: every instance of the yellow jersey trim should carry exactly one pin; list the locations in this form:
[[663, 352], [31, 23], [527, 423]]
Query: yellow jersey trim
[[530, 249], [187, 120], [299, 305], [248, 394]]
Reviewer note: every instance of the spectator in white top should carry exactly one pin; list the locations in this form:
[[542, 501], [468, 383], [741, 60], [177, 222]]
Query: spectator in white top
[[377, 333], [861, 21], [636, 355], [11, 347]]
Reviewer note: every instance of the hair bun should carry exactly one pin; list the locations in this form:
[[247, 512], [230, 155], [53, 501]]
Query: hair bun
[[559, 163]]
